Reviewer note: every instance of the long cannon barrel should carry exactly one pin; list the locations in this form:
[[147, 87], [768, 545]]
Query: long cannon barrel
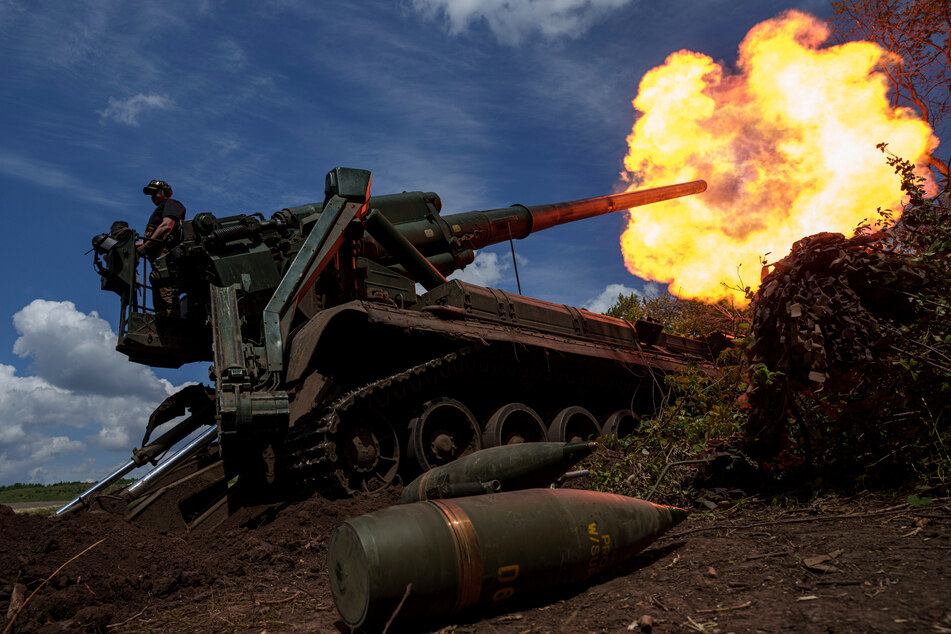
[[482, 228]]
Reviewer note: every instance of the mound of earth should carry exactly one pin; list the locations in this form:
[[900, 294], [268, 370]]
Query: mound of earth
[[865, 564]]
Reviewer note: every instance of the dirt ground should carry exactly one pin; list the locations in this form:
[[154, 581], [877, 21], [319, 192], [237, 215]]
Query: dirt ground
[[865, 564]]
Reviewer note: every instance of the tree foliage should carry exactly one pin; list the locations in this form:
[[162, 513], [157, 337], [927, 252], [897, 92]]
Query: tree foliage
[[917, 33], [686, 317]]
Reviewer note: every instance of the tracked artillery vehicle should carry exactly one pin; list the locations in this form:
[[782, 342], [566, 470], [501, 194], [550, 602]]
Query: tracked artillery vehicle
[[333, 373]]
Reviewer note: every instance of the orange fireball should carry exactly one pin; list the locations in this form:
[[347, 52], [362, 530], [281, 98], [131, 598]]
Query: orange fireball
[[787, 145]]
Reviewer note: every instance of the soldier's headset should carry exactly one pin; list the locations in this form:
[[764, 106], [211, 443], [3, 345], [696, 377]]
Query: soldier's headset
[[166, 188]]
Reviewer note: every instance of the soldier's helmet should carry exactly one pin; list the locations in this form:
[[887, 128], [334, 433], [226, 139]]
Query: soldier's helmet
[[156, 186]]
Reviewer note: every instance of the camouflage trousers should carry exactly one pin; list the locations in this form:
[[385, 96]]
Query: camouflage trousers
[[167, 301]]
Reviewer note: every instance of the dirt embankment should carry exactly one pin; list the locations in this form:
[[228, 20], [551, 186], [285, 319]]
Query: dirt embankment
[[866, 564]]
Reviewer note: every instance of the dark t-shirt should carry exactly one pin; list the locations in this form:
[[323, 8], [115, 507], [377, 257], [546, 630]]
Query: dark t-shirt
[[170, 208]]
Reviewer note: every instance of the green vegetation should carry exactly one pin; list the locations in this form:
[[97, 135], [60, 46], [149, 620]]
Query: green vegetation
[[660, 461], [687, 317], [16, 493], [699, 411]]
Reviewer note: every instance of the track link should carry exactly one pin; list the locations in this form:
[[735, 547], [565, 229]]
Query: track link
[[311, 459]]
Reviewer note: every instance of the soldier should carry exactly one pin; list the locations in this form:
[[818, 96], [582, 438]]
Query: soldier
[[163, 231]]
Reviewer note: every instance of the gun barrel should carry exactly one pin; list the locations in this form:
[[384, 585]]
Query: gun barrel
[[545, 216], [482, 228]]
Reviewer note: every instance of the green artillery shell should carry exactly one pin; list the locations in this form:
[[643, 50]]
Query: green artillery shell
[[521, 466], [446, 555]]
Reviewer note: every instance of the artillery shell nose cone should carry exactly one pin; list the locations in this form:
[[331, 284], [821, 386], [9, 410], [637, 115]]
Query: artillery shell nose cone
[[579, 450], [677, 515]]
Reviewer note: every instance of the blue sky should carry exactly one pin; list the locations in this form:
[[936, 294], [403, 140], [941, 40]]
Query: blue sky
[[243, 107]]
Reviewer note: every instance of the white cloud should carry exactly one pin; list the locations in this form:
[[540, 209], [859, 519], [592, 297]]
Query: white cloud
[[608, 297], [76, 351], [31, 456], [11, 433], [82, 394], [127, 111], [653, 289], [485, 270], [29, 406], [512, 20]]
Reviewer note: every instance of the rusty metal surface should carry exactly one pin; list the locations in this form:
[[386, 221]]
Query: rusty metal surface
[[643, 355], [305, 340]]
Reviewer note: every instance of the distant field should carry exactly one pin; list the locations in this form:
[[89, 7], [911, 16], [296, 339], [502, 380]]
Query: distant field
[[16, 493]]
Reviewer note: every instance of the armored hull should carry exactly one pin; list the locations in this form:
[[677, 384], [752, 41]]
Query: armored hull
[[468, 367]]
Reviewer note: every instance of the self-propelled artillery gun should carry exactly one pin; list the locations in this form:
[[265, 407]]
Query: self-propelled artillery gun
[[333, 373]]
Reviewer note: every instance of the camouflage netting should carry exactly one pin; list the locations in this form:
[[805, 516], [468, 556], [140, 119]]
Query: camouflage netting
[[820, 322]]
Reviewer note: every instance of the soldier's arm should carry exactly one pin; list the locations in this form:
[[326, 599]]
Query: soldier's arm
[[164, 228], [152, 244]]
